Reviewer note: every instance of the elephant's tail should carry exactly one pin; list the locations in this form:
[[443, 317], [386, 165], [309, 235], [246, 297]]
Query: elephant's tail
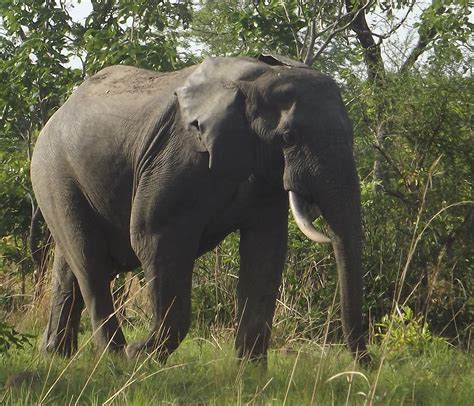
[[41, 242]]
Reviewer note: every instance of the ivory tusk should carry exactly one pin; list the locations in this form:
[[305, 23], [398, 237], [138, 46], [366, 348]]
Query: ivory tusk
[[304, 223]]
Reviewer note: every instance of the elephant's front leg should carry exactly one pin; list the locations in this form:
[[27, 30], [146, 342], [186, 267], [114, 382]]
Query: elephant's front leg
[[263, 245], [167, 260]]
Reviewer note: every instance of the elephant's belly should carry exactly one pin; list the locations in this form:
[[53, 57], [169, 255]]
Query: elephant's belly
[[121, 252], [229, 217], [212, 237]]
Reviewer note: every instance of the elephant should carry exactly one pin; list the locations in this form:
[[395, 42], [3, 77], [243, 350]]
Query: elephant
[[142, 168]]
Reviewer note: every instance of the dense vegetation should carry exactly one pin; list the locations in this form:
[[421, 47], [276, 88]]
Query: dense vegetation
[[205, 372], [405, 72]]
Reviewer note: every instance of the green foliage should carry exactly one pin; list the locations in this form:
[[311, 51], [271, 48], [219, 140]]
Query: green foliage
[[139, 33], [450, 20], [239, 27], [429, 196], [10, 338], [214, 287], [403, 332], [235, 27], [15, 209]]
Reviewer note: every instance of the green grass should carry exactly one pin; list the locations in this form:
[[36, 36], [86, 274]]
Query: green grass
[[206, 372]]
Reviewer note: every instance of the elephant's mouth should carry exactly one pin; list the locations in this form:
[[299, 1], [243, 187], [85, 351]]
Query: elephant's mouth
[[304, 214]]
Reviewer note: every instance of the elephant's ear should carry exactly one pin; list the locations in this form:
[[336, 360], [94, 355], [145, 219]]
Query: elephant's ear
[[212, 102], [279, 60]]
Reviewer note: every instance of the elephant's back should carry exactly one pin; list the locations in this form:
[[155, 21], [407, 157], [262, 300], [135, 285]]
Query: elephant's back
[[107, 116], [122, 80]]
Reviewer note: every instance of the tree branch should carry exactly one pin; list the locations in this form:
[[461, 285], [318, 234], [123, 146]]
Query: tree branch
[[310, 56], [337, 31], [372, 54], [295, 37], [426, 36], [396, 26], [309, 59], [388, 159]]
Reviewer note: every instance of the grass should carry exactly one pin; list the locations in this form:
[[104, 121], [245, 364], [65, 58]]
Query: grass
[[411, 366], [206, 372]]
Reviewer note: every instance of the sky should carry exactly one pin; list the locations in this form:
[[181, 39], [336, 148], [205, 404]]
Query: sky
[[79, 11]]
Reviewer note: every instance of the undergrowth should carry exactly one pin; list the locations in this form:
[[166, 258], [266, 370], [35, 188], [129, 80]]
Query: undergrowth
[[205, 371], [307, 363]]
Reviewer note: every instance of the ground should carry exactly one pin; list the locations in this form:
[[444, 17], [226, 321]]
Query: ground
[[204, 371]]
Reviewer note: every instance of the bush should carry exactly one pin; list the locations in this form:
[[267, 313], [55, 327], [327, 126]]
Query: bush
[[9, 338]]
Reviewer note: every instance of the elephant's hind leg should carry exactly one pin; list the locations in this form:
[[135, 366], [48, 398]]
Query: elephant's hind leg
[[99, 303], [61, 332], [93, 271], [84, 246]]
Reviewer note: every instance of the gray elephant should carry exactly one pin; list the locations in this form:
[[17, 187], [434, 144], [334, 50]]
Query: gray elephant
[[155, 169]]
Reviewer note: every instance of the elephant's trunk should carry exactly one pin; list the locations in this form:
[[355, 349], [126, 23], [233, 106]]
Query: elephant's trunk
[[339, 201], [338, 198], [345, 233]]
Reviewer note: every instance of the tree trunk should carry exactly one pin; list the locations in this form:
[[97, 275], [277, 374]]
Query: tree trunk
[[376, 75]]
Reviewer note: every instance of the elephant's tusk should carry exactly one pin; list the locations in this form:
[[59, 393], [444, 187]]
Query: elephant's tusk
[[303, 221]]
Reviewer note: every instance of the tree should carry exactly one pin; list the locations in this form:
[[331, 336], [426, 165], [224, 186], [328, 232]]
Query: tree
[[303, 29], [144, 33], [439, 24], [34, 82]]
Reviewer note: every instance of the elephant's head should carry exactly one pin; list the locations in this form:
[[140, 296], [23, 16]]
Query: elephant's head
[[279, 119]]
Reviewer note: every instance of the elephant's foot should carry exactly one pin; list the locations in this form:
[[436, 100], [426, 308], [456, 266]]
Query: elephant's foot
[[153, 347], [63, 344], [259, 360], [134, 350], [249, 354], [360, 353], [113, 347], [364, 359], [251, 345], [110, 339]]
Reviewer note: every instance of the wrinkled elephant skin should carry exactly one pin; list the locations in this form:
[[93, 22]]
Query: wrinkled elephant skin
[[155, 169]]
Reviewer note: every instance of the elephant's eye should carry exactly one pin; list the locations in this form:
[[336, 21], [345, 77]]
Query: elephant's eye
[[195, 124], [289, 137]]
